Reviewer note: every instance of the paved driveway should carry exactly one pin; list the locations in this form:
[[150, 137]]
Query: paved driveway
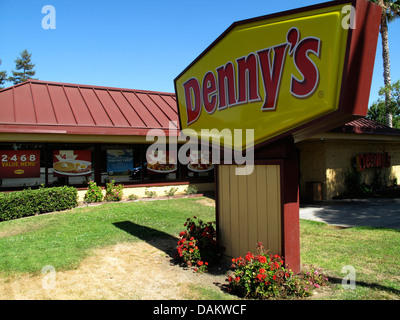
[[383, 213]]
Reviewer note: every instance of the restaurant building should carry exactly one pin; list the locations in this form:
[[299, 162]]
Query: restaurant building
[[103, 133], [56, 134]]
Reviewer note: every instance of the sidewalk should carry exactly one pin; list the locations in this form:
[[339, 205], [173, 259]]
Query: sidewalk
[[384, 213]]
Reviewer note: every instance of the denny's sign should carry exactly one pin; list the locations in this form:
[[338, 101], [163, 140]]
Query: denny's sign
[[297, 72]]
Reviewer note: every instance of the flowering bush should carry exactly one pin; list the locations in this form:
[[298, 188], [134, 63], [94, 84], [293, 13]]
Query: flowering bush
[[198, 245], [113, 192], [313, 278], [94, 193], [264, 275]]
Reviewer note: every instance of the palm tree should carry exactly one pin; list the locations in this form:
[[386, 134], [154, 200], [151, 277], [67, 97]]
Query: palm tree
[[390, 11]]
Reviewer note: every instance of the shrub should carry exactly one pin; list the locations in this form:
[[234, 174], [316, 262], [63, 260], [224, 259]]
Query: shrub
[[133, 197], [113, 192], [150, 194], [264, 275], [171, 192], [94, 193], [198, 246], [191, 189], [29, 202]]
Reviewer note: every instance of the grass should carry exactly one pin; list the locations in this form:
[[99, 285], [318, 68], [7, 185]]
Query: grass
[[64, 239], [373, 252]]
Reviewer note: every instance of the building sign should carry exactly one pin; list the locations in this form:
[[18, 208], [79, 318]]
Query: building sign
[[373, 160], [72, 163], [274, 74], [119, 162], [19, 164]]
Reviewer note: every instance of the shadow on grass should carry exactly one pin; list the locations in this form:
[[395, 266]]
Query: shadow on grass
[[156, 238], [374, 286], [166, 243]]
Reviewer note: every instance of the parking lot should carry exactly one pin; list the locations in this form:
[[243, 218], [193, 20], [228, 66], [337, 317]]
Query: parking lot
[[384, 213]]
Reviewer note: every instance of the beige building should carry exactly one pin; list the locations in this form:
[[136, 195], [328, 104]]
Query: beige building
[[360, 152]]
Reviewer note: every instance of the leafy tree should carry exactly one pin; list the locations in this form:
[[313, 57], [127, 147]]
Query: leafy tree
[[25, 65], [390, 12], [3, 77], [378, 110]]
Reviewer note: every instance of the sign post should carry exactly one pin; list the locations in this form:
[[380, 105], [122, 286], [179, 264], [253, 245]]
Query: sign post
[[284, 77]]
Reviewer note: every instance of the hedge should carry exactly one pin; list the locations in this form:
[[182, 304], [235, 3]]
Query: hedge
[[30, 202]]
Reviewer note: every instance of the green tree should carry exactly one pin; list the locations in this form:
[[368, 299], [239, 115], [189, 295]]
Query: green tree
[[378, 110], [390, 12], [26, 66], [3, 77]]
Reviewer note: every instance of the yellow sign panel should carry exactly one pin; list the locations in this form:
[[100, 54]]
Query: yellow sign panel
[[270, 75]]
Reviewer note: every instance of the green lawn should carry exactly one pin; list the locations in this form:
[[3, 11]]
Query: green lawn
[[373, 252], [63, 239]]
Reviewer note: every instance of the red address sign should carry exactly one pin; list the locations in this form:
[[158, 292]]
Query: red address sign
[[19, 164]]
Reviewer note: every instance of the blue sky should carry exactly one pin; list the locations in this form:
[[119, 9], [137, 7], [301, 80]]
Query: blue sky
[[134, 44]]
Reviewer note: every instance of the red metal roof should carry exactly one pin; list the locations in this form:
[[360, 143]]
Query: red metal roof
[[366, 126], [52, 107]]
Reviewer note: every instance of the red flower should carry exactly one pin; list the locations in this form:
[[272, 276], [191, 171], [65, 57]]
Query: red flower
[[237, 279], [260, 277], [200, 263], [249, 256], [274, 277], [262, 259], [262, 270]]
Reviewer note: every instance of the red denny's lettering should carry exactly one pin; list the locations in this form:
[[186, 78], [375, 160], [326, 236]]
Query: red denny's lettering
[[238, 83]]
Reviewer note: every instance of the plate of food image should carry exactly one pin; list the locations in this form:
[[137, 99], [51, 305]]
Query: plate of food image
[[72, 167], [200, 167], [161, 167]]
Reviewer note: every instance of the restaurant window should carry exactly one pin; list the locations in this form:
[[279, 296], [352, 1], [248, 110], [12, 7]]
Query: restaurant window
[[121, 163], [160, 164], [22, 165], [70, 164], [199, 165]]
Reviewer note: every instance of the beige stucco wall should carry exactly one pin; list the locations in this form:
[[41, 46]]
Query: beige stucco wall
[[160, 190], [338, 159], [327, 161]]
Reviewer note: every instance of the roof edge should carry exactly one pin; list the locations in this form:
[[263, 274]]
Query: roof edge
[[66, 84]]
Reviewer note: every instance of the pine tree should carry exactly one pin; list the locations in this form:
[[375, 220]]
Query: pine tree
[[3, 77], [25, 65]]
